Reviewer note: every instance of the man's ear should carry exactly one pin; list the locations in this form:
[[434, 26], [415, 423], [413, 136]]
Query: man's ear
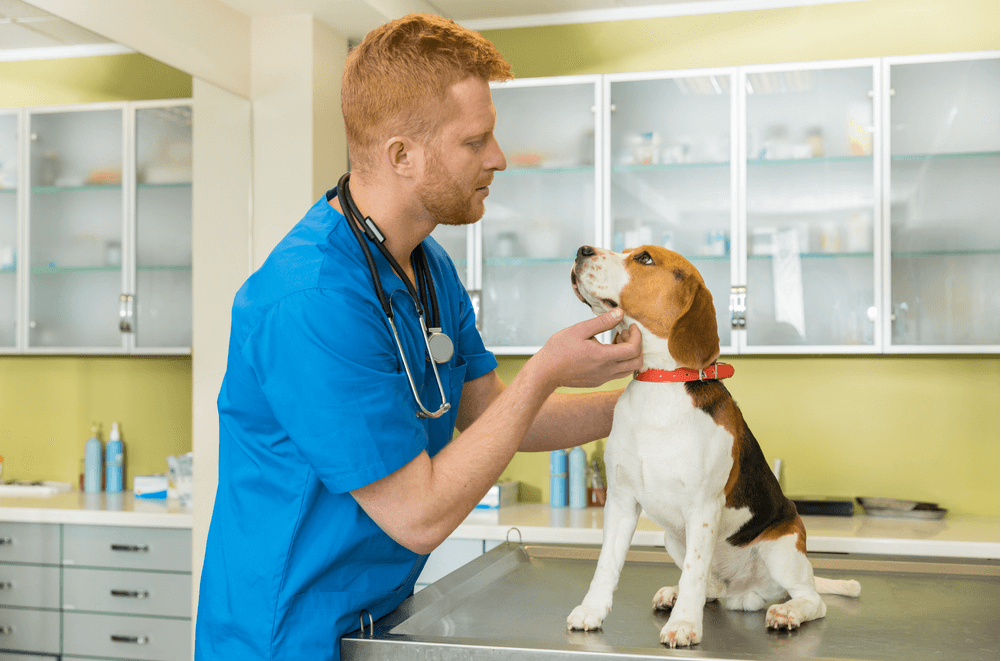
[[404, 155]]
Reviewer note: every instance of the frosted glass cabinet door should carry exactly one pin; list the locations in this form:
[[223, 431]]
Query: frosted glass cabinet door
[[944, 200], [162, 302], [811, 191], [8, 230], [455, 240], [539, 212], [671, 174], [76, 229]]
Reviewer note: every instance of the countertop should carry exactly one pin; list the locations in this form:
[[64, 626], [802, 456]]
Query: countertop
[[102, 509], [953, 536]]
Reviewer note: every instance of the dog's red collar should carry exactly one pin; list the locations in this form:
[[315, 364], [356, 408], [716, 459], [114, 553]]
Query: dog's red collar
[[714, 371]]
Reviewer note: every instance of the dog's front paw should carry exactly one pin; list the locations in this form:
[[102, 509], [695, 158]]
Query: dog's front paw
[[585, 618], [681, 634], [665, 598], [783, 617]]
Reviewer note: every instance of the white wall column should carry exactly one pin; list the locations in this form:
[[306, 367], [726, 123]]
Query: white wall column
[[299, 148]]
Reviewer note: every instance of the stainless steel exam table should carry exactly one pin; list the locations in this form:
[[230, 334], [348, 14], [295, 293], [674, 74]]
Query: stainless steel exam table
[[512, 604]]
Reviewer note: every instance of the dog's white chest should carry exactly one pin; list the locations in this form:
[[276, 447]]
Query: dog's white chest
[[668, 453]]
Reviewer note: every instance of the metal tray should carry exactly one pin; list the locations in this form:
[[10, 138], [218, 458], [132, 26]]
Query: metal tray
[[512, 603]]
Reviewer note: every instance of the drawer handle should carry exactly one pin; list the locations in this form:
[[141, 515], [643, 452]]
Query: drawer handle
[[133, 640], [6, 629], [6, 585], [6, 541], [130, 594], [130, 548]]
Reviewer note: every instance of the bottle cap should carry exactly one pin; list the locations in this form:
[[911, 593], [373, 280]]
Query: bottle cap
[[114, 435]]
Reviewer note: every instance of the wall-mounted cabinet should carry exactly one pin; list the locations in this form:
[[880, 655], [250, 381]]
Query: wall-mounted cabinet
[[95, 233], [832, 207]]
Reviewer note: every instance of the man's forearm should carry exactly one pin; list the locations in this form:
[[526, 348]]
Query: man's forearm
[[567, 420]]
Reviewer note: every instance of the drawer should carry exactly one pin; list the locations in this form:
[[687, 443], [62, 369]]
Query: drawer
[[119, 636], [37, 543], [7, 656], [29, 585], [29, 630], [127, 592], [122, 547]]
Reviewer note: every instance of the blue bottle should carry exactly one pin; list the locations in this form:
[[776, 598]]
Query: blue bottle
[[558, 478], [578, 478], [93, 462], [115, 461]]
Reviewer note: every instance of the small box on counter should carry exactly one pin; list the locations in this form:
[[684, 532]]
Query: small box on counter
[[149, 486], [500, 495]]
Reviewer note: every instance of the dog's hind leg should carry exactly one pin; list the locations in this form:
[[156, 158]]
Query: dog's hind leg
[[791, 569], [621, 513]]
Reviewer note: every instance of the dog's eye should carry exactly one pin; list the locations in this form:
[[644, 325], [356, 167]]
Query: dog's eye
[[644, 258]]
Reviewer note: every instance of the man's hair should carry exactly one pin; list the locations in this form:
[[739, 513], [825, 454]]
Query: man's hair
[[396, 80]]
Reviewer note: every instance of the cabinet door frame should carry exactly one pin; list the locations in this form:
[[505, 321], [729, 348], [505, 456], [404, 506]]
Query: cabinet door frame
[[133, 241], [876, 347], [127, 194], [885, 194], [475, 254], [20, 224], [736, 239]]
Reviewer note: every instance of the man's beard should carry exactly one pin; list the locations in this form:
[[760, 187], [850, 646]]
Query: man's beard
[[446, 201]]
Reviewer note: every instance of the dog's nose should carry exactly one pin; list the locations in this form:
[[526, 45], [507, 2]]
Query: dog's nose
[[585, 251]]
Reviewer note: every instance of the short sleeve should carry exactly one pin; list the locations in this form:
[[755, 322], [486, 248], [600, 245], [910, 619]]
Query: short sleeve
[[328, 368]]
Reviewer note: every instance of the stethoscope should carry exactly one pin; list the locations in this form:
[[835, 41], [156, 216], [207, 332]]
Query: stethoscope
[[438, 344]]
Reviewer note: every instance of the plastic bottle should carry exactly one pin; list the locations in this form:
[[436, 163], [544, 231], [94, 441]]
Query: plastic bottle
[[558, 478], [93, 462], [578, 478], [115, 461]]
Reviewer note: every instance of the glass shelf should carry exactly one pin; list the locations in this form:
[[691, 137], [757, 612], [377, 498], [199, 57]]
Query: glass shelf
[[178, 184], [808, 161], [821, 255], [68, 189], [670, 166], [945, 253], [8, 190], [62, 270], [570, 169], [934, 157]]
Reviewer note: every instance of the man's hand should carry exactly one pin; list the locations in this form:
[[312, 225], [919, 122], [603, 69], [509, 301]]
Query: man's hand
[[574, 358]]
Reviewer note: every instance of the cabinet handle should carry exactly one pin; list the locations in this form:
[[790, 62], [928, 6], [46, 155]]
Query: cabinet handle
[[130, 594], [134, 640], [6, 541], [130, 548], [6, 585], [476, 298], [6, 629], [738, 307], [125, 318]]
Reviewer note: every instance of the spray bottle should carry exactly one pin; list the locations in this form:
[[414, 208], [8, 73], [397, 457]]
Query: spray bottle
[[93, 462], [115, 462]]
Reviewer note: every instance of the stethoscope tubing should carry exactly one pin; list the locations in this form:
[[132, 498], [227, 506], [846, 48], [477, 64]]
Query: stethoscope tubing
[[423, 276]]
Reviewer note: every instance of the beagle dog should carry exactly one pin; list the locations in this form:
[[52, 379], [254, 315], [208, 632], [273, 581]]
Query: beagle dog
[[680, 450]]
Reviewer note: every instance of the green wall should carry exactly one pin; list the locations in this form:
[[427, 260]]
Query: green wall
[[914, 427], [48, 403]]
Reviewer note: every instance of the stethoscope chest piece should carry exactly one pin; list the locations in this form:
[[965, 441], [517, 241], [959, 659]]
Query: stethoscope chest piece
[[440, 346]]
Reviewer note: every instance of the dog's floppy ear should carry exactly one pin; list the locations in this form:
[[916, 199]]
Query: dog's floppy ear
[[694, 340]]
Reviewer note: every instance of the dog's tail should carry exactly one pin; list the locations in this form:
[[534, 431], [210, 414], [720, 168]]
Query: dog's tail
[[830, 586]]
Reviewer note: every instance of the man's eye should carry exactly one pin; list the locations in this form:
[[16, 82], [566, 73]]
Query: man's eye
[[644, 258]]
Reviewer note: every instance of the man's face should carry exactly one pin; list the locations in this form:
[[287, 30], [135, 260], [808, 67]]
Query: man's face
[[462, 158]]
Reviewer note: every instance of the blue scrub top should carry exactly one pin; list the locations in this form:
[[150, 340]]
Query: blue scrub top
[[315, 402]]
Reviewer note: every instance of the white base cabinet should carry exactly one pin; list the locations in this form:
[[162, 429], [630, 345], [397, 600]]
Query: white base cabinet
[[94, 592]]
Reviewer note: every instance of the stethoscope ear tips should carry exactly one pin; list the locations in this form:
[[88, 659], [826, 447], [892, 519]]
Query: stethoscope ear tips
[[440, 346]]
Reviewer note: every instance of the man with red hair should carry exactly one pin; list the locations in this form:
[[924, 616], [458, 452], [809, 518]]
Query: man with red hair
[[332, 486]]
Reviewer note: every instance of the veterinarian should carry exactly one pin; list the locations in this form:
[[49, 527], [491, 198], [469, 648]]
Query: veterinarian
[[332, 488]]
